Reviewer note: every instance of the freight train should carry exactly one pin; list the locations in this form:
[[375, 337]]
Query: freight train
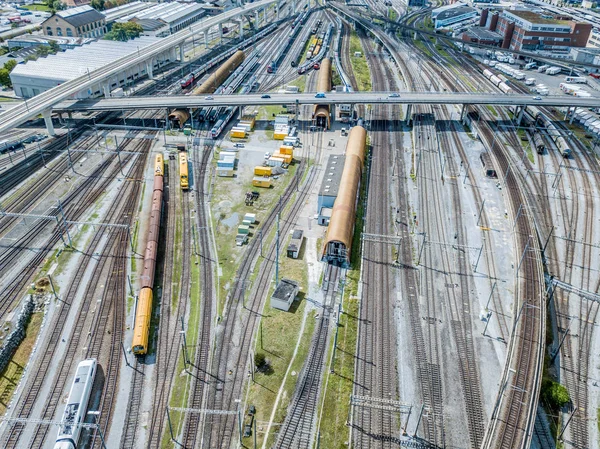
[[497, 81], [283, 49], [77, 404], [143, 313], [179, 116], [183, 171], [313, 63]]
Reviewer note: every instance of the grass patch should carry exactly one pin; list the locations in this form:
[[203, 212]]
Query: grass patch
[[37, 7], [492, 109], [359, 63], [180, 392], [277, 339], [334, 432], [300, 83], [224, 205], [424, 48], [392, 14], [12, 374]]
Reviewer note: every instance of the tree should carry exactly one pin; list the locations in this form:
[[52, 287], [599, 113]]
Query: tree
[[54, 47], [124, 31], [98, 5], [10, 64], [554, 394], [5, 78], [259, 360]]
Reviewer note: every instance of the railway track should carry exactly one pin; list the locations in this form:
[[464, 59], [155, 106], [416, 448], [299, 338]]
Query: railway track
[[25, 406], [298, 429], [228, 369]]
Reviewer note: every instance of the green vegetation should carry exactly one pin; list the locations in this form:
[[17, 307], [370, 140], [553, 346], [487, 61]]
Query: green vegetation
[[274, 349], [334, 432], [124, 31], [37, 7], [11, 376], [424, 48], [43, 51], [179, 391], [492, 109], [359, 63], [300, 82], [554, 394], [55, 5], [5, 72], [392, 14]]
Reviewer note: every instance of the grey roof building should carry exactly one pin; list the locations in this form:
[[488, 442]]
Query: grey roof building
[[83, 21], [293, 249], [284, 294], [329, 187]]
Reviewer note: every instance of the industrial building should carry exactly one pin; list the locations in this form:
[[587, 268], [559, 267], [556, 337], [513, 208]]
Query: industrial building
[[284, 294], [329, 188], [166, 18], [35, 77], [531, 31], [452, 15], [83, 21], [114, 14], [295, 246], [478, 35]]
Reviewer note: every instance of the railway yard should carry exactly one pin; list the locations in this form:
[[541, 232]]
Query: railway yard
[[303, 276]]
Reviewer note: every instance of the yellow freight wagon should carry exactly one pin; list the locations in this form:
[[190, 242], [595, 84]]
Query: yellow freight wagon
[[286, 149], [262, 171], [261, 181]]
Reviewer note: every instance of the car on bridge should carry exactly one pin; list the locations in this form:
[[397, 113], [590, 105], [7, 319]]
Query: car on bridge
[[320, 95], [394, 95], [209, 97], [266, 96], [537, 98]]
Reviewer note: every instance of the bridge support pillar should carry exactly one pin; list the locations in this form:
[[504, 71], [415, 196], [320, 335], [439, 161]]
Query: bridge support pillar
[[106, 89], [520, 115], [277, 10], [241, 28], [221, 31], [408, 114], [182, 53], [149, 69], [293, 7], [572, 115], [206, 39], [256, 24], [48, 121]]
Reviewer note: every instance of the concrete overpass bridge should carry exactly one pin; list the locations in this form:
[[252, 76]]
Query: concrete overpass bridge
[[333, 98], [46, 101]]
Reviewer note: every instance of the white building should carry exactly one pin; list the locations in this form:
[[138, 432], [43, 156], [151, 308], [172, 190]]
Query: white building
[[35, 77]]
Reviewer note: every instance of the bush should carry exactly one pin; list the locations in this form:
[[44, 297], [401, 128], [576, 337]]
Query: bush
[[260, 360], [555, 394]]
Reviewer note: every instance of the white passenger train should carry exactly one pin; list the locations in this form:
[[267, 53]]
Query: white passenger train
[[75, 411]]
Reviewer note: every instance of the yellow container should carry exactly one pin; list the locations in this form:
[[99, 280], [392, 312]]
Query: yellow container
[[262, 171], [238, 134], [279, 135], [261, 181], [286, 149], [287, 158], [249, 119]]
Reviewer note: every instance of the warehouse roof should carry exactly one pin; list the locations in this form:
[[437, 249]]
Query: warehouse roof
[[82, 15], [167, 12], [127, 9], [333, 175], [483, 34], [535, 17], [455, 12], [74, 63]]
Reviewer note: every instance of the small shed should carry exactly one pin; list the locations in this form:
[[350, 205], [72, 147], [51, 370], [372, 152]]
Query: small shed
[[488, 166], [284, 294], [293, 249]]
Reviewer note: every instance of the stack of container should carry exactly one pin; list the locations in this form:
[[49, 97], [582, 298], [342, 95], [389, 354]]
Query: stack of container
[[286, 153], [281, 132], [249, 219], [226, 164]]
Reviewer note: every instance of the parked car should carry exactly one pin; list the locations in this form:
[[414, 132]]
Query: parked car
[[239, 145]]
